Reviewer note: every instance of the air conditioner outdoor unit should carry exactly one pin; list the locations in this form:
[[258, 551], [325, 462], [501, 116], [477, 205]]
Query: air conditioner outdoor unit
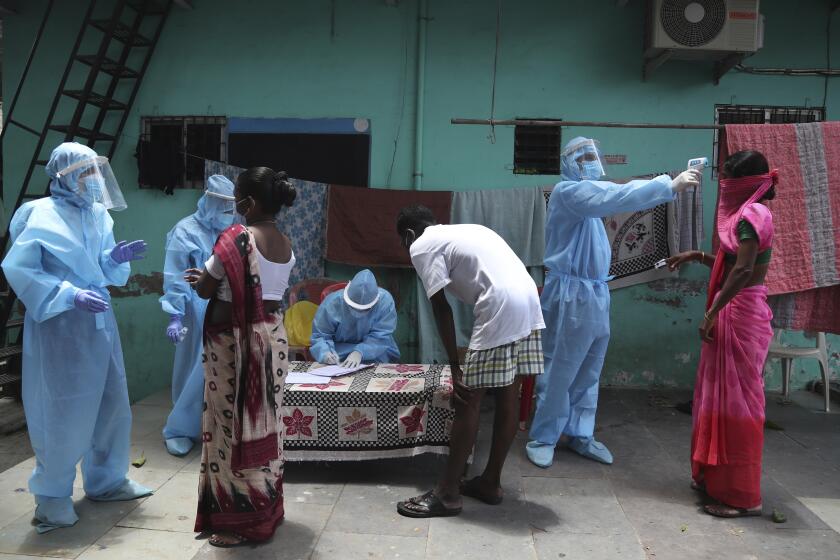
[[700, 28]]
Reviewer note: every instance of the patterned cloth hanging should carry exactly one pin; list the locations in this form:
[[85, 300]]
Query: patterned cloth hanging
[[304, 223]]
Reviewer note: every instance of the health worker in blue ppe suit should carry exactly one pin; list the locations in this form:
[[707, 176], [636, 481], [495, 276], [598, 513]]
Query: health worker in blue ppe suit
[[188, 245], [576, 299], [60, 264], [356, 325]]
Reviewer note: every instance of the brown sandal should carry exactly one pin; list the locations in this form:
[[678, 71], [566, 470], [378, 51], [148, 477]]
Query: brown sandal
[[215, 540], [426, 506]]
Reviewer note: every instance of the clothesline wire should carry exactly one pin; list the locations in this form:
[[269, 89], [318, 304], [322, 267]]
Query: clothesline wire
[[402, 98], [492, 135]]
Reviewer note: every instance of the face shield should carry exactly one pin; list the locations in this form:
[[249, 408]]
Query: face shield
[[222, 207], [222, 203], [582, 160], [93, 180], [218, 204]]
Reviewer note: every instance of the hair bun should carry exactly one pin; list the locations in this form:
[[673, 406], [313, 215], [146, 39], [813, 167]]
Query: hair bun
[[284, 189]]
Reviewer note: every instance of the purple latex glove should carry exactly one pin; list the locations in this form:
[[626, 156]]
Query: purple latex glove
[[173, 329], [90, 301], [125, 251]]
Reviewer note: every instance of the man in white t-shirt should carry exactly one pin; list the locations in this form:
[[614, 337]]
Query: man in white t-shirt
[[476, 266]]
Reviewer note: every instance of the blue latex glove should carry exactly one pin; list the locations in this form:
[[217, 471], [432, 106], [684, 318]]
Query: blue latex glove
[[125, 251], [90, 301], [173, 329]]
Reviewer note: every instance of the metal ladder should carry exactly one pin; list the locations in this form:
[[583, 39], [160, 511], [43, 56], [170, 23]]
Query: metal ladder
[[119, 30]]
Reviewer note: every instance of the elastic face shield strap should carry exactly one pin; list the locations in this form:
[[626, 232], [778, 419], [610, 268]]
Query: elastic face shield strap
[[98, 160], [359, 306], [579, 145], [220, 195]]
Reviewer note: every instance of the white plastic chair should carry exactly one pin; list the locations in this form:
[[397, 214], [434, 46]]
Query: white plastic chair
[[787, 354]]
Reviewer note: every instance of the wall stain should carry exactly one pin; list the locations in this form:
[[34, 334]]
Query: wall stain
[[139, 285], [682, 286], [676, 301]]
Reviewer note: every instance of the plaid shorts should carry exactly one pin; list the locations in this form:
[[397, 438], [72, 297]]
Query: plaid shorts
[[496, 367]]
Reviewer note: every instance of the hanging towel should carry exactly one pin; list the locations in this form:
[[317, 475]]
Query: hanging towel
[[304, 222], [362, 223], [811, 310], [305, 225], [517, 215], [806, 210], [688, 217]]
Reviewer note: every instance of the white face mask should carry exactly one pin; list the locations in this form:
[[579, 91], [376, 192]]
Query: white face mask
[[592, 170]]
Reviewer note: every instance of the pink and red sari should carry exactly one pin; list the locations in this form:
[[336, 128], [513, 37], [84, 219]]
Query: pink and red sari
[[728, 407], [245, 363]]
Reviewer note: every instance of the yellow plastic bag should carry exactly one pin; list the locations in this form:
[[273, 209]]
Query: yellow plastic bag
[[298, 322]]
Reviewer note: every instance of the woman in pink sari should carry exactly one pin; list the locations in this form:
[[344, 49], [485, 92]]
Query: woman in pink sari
[[728, 408]]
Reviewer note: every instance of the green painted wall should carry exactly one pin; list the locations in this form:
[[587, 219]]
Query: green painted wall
[[576, 60]]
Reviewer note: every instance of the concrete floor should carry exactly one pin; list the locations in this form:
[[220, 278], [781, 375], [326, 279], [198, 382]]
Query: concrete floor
[[640, 507]]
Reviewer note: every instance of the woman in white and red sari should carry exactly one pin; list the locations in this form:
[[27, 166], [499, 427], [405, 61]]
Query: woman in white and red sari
[[245, 363], [728, 407]]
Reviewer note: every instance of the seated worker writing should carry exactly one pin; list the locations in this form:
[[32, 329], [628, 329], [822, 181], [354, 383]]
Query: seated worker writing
[[356, 325]]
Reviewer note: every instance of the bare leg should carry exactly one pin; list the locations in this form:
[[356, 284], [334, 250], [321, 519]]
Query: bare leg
[[505, 422], [461, 443]]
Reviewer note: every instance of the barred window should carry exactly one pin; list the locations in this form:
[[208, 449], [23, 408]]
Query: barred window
[[536, 149], [172, 150]]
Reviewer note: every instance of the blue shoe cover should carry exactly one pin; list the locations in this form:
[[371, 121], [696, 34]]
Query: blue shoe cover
[[179, 446], [53, 513], [591, 449], [541, 454], [128, 490]]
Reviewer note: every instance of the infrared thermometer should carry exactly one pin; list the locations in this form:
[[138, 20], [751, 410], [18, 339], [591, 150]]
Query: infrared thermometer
[[699, 163]]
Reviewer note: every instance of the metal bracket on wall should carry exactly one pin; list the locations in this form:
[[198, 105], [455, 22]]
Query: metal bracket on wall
[[727, 64], [653, 61]]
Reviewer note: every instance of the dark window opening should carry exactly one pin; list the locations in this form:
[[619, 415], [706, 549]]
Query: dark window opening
[[339, 159], [172, 150], [536, 150], [760, 114]]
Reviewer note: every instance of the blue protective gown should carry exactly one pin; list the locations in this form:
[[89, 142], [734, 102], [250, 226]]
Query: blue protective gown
[[188, 245], [339, 328], [576, 299], [74, 387]]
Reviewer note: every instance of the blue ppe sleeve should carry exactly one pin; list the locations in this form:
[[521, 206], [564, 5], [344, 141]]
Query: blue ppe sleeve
[[323, 334], [381, 335], [598, 199], [115, 274], [176, 292], [43, 294]]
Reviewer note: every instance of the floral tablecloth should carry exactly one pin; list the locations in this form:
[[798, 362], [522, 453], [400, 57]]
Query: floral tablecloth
[[387, 410]]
